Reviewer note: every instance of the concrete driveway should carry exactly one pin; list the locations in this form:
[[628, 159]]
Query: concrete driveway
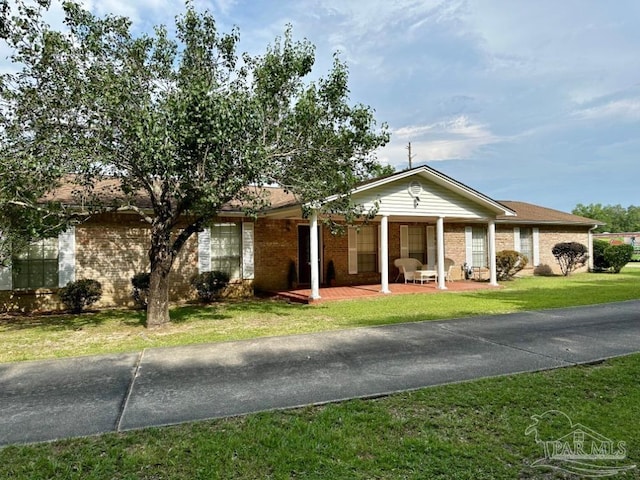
[[54, 399]]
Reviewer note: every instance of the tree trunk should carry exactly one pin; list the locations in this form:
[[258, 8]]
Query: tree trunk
[[161, 257]]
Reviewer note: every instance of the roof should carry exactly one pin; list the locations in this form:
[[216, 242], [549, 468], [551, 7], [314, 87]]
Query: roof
[[107, 190], [530, 213]]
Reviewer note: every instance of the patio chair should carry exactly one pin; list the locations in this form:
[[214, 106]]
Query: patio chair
[[407, 268], [449, 264]]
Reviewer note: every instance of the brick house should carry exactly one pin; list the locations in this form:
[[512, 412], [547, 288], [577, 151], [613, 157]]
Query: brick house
[[421, 213]]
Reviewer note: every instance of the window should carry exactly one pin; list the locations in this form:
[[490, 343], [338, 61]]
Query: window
[[226, 248], [36, 266], [479, 246], [526, 244], [416, 243], [367, 249]]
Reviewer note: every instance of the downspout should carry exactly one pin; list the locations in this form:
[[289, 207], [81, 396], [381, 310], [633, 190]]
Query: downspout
[[590, 261]]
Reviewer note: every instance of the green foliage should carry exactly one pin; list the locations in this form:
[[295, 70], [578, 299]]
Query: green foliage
[[80, 294], [210, 284], [181, 122], [617, 256], [600, 264], [508, 263], [616, 217], [140, 291], [570, 255], [543, 270], [611, 257]]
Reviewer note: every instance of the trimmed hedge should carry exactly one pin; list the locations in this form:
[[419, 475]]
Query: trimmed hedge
[[140, 292], [80, 294], [508, 263], [210, 284], [570, 255], [617, 256]]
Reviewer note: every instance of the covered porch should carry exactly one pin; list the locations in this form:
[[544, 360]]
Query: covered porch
[[355, 292], [454, 224]]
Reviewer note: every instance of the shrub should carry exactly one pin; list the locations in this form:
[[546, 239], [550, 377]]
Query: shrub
[[210, 284], [617, 256], [600, 264], [140, 292], [508, 263], [331, 273], [570, 255], [292, 275], [80, 294], [543, 270]]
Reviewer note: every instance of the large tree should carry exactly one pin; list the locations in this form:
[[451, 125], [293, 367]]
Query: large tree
[[183, 120], [616, 217]]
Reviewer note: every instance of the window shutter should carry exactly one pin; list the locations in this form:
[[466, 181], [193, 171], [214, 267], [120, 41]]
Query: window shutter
[[67, 257], [468, 245], [247, 250], [353, 250], [404, 241], [204, 251], [6, 282], [516, 239], [432, 246], [536, 247]]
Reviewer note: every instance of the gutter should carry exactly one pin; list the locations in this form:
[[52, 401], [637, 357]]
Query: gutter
[[590, 261]]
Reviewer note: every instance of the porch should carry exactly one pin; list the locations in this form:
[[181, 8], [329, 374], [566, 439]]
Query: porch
[[353, 292]]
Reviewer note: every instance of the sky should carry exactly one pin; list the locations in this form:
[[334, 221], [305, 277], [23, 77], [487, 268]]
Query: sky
[[529, 100]]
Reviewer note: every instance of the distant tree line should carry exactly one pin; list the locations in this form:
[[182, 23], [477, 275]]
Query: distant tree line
[[616, 217]]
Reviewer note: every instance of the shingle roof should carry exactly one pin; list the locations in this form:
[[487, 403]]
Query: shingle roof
[[530, 213], [108, 190]]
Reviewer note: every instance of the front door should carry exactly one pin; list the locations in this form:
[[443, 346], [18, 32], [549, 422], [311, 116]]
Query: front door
[[304, 254]]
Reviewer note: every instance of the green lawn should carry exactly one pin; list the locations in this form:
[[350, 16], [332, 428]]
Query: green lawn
[[28, 338], [471, 430]]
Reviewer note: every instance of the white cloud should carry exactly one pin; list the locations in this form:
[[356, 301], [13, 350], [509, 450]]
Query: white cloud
[[455, 138], [624, 109]]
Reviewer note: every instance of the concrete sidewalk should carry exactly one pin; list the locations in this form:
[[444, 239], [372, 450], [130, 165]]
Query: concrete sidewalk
[[47, 400]]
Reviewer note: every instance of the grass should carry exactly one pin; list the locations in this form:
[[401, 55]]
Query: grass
[[54, 336], [472, 430]]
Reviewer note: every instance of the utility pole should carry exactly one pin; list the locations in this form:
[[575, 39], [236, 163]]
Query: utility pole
[[410, 156]]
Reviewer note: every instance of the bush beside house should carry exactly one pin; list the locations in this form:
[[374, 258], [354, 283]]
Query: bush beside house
[[509, 263], [570, 256], [80, 294]]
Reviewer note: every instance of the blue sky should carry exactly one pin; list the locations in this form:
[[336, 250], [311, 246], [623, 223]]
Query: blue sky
[[533, 100]]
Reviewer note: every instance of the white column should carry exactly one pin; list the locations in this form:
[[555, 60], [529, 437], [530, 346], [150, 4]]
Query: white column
[[491, 230], [313, 240], [384, 252], [440, 241]]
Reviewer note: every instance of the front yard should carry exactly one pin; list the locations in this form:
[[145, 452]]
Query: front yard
[[38, 337], [473, 430]]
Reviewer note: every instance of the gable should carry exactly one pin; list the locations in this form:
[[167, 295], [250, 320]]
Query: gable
[[419, 196]]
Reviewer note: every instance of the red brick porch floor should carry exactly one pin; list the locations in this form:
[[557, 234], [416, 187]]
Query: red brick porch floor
[[371, 291]]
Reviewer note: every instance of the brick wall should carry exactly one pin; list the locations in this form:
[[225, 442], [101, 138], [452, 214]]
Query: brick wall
[[113, 249]]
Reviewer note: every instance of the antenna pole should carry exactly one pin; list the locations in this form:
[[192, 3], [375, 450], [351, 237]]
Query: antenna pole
[[410, 156]]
